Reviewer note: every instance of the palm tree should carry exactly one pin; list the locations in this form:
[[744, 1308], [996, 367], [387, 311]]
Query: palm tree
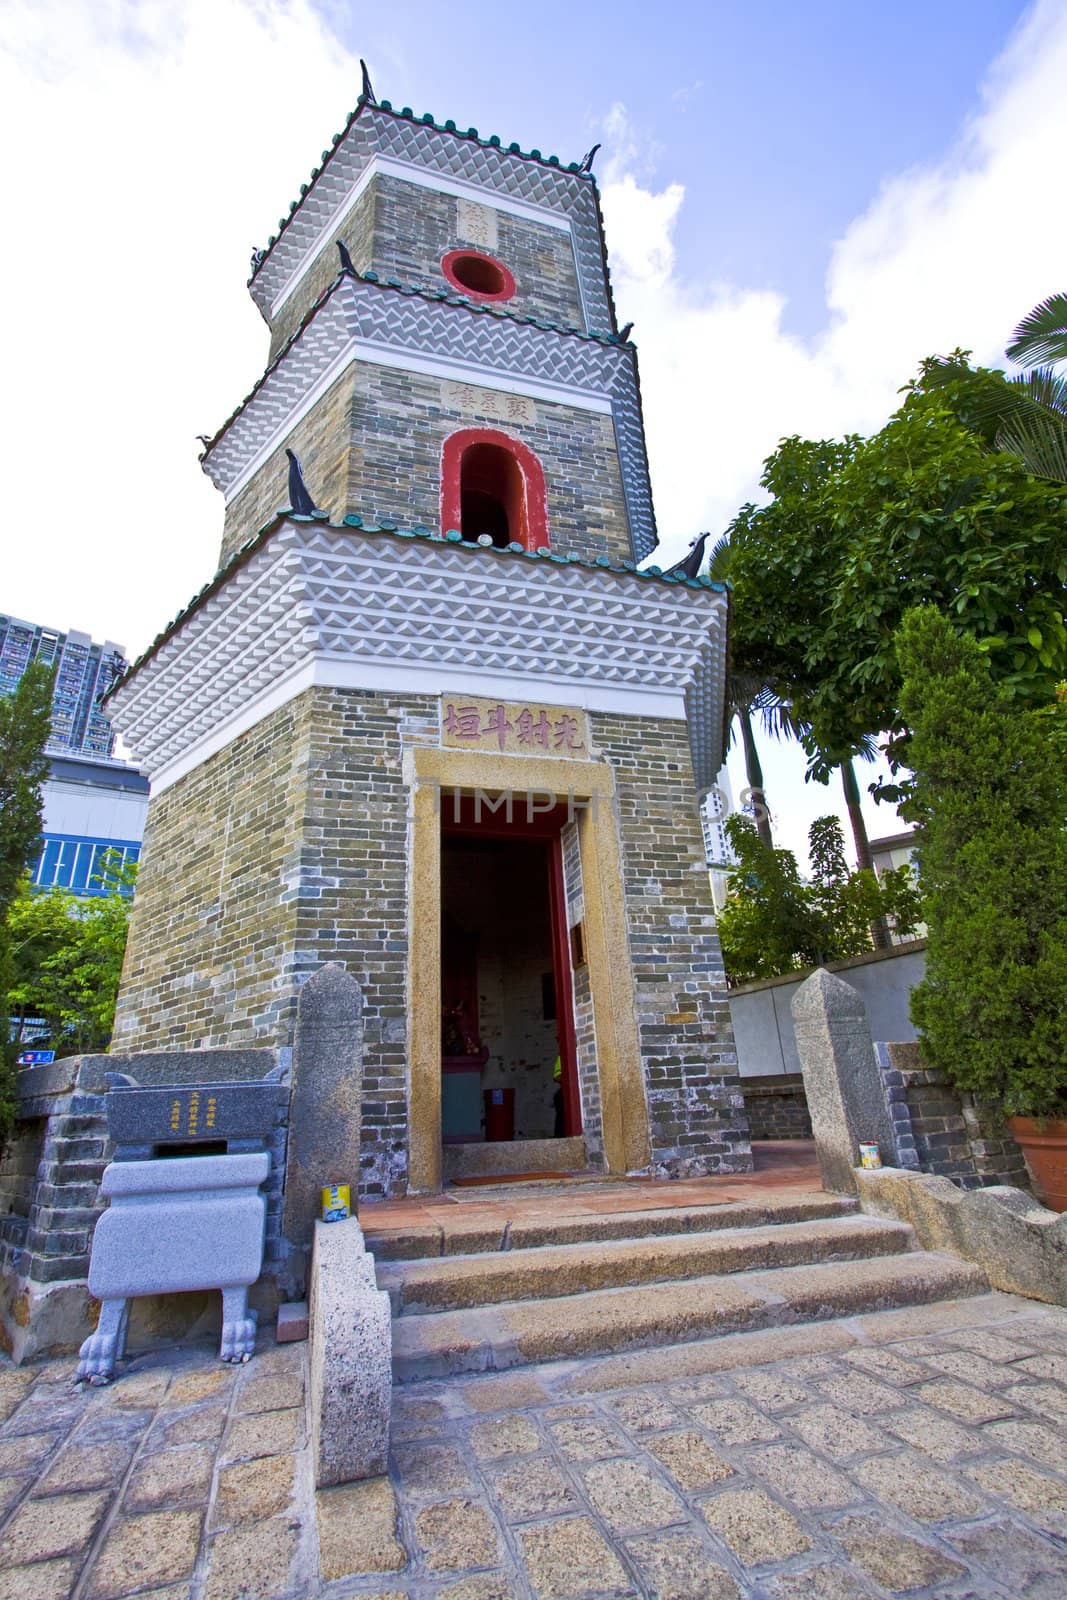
[[1035, 427]]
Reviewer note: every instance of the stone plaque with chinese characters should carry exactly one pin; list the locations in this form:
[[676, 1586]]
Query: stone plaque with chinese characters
[[514, 728], [476, 224], [468, 398]]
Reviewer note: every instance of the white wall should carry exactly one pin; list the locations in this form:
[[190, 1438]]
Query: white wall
[[763, 1023]]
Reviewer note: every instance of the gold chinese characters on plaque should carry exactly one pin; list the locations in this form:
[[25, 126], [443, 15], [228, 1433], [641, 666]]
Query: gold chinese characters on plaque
[[514, 727]]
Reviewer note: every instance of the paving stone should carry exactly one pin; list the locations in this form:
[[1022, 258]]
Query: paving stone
[[54, 1526], [270, 1392], [1026, 1565], [263, 1433], [887, 1365], [136, 1389], [587, 1441], [755, 1527], [804, 1369], [676, 1566], [769, 1389], [820, 1582], [894, 1560], [201, 1384], [1047, 1399], [252, 1562], [985, 1342], [919, 1490], [1032, 1440], [971, 1368], [1044, 1499], [45, 1580], [630, 1497], [251, 1490], [536, 1488], [26, 1452], [358, 1529], [14, 1387], [1051, 1365], [860, 1393], [835, 1433], [801, 1477], [485, 1586], [721, 1354], [52, 1413], [933, 1434], [81, 1466], [565, 1413], [11, 1490], [643, 1413], [960, 1400], [200, 1424], [567, 1557], [174, 1477], [689, 1459], [435, 1469], [455, 1535], [414, 1419], [504, 1436], [138, 1551], [506, 1392], [735, 1421]]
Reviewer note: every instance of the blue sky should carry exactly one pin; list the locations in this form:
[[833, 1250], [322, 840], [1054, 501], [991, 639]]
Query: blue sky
[[801, 201]]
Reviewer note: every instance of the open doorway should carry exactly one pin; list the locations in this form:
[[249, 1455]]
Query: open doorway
[[507, 1030]]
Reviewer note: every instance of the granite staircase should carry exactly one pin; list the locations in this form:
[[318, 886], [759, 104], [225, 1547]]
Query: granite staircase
[[552, 1289]]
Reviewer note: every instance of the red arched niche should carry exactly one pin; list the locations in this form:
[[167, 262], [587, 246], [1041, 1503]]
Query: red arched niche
[[493, 484]]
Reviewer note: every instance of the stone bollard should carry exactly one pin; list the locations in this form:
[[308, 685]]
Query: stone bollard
[[324, 1111], [351, 1376], [841, 1078]]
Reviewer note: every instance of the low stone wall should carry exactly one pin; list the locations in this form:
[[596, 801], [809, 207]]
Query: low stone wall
[[777, 1107], [941, 1132]]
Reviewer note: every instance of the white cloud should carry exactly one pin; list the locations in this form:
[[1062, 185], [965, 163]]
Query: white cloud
[[952, 253]]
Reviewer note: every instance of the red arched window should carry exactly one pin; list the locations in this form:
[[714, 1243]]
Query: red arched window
[[493, 484]]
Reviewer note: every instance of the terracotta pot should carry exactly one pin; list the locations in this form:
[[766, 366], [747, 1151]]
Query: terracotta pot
[[1043, 1142]]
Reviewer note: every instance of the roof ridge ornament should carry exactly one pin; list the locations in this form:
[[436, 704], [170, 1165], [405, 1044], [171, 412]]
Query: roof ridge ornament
[[367, 92], [689, 566], [300, 501], [346, 259], [586, 163]]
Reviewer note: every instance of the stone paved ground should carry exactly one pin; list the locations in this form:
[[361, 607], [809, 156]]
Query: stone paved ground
[[917, 1452]]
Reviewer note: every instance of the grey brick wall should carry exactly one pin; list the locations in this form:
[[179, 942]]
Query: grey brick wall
[[696, 1110], [940, 1131], [777, 1107]]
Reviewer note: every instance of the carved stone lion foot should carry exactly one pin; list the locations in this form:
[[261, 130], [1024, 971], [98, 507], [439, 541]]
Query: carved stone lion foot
[[238, 1326], [98, 1354]]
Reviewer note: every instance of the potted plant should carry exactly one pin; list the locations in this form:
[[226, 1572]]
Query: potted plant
[[989, 796]]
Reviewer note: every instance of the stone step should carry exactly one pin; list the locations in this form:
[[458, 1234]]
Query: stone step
[[600, 1322], [462, 1231], [457, 1283]]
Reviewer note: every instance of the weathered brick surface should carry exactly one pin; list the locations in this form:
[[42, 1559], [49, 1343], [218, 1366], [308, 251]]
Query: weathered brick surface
[[777, 1107], [372, 445], [321, 440], [696, 1112], [357, 231], [291, 848], [940, 1131], [402, 230]]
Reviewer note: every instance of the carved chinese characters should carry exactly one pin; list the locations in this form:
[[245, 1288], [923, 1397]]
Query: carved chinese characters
[[514, 727]]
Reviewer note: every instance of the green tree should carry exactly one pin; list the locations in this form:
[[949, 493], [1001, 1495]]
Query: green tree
[[857, 531], [25, 719], [66, 958], [774, 922], [990, 801]]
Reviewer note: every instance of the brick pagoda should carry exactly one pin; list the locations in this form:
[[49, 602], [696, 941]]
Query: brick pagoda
[[439, 727]]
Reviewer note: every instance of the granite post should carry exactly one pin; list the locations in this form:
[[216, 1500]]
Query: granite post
[[324, 1111], [841, 1078], [351, 1372]]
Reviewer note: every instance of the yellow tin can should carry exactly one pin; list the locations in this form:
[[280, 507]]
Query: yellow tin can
[[336, 1202]]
